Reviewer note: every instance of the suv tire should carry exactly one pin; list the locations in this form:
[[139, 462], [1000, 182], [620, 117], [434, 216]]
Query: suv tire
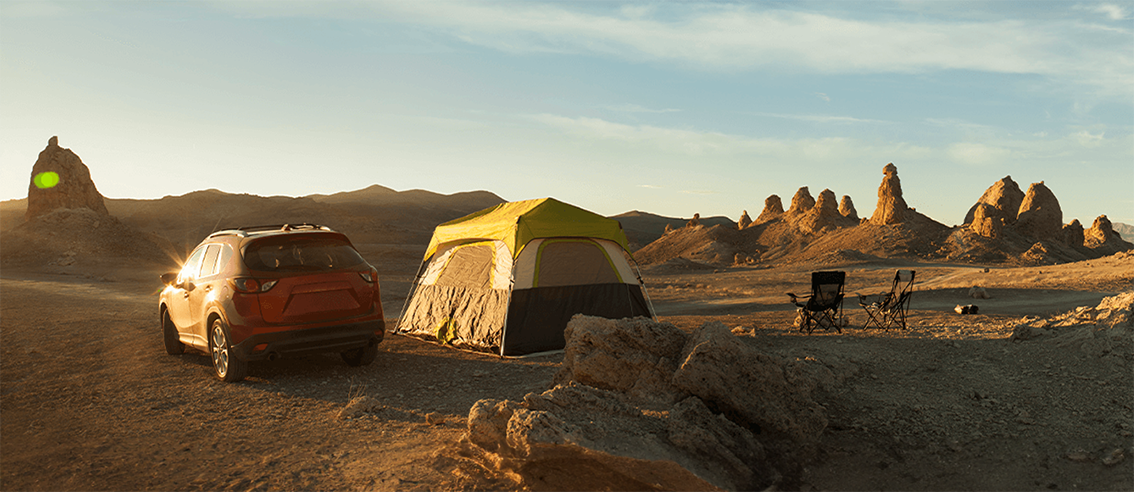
[[226, 365]]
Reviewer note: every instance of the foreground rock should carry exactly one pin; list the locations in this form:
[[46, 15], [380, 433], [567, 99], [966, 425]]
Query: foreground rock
[[73, 189], [647, 406], [1101, 330]]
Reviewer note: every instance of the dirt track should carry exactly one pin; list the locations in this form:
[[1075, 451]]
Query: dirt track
[[90, 401]]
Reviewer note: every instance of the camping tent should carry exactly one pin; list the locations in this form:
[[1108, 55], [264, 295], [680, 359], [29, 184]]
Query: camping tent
[[507, 279]]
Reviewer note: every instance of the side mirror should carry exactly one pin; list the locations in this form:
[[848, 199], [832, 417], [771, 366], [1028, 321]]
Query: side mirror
[[168, 278], [188, 286]]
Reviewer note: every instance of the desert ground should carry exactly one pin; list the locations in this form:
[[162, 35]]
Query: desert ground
[[90, 401]]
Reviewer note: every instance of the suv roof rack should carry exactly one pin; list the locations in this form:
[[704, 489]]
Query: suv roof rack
[[245, 231]]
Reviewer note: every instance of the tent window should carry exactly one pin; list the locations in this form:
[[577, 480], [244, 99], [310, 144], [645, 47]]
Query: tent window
[[573, 262], [469, 267]]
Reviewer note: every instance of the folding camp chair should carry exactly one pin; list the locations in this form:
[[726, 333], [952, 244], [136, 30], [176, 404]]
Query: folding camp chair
[[824, 307], [890, 308]]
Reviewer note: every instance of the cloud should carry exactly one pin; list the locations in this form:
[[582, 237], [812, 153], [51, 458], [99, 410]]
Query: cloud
[[976, 153], [1113, 11], [823, 96], [820, 118], [709, 143], [38, 8], [653, 187], [700, 192], [745, 37], [634, 108], [1086, 139]]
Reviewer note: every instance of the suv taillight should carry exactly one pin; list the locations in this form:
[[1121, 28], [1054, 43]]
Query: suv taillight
[[251, 285], [370, 277]]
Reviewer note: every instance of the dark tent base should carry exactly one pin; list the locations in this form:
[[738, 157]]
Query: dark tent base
[[537, 317]]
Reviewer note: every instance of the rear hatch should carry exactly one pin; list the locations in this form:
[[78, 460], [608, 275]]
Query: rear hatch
[[318, 277]]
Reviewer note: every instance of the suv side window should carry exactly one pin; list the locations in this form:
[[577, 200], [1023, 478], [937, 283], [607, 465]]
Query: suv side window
[[223, 258], [209, 263], [189, 271]]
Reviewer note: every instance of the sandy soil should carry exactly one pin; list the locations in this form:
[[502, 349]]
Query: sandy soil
[[90, 400]]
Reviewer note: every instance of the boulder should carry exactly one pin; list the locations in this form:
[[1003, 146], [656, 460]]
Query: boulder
[[773, 209], [754, 387], [1002, 199], [576, 437], [1040, 217], [891, 207], [744, 221], [641, 405], [74, 188], [634, 356], [801, 202], [695, 221], [846, 208]]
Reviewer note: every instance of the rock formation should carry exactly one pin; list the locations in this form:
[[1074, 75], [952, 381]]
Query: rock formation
[[773, 209], [1040, 216], [1073, 233], [801, 202], [986, 220], [1003, 197], [634, 397], [891, 207], [846, 208], [744, 221], [695, 221], [74, 188], [1101, 233], [823, 215]]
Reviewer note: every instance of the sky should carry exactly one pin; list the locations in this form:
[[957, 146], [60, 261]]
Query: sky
[[672, 108]]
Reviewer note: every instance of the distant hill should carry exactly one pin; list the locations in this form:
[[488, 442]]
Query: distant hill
[[374, 218], [1124, 230], [643, 228], [370, 215]]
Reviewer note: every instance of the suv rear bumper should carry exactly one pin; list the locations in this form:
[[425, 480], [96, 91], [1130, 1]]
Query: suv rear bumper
[[336, 338]]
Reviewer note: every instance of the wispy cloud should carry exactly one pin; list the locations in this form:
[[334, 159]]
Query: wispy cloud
[[634, 108], [732, 37], [823, 96], [977, 153], [700, 192], [1087, 139], [653, 187], [704, 143], [818, 118], [1112, 11], [31, 8]]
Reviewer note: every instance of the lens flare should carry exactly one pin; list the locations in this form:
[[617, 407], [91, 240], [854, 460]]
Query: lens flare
[[46, 179]]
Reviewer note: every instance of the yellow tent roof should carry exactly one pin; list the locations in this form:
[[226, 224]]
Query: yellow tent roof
[[516, 223]]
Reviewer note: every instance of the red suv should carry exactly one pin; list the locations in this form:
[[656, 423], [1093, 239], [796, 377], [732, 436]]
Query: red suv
[[258, 293]]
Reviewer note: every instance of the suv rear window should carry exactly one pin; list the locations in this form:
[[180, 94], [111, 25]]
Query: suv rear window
[[300, 253]]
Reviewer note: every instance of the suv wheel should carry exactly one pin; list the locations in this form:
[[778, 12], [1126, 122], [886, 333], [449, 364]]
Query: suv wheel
[[226, 365], [173, 345], [360, 356]]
